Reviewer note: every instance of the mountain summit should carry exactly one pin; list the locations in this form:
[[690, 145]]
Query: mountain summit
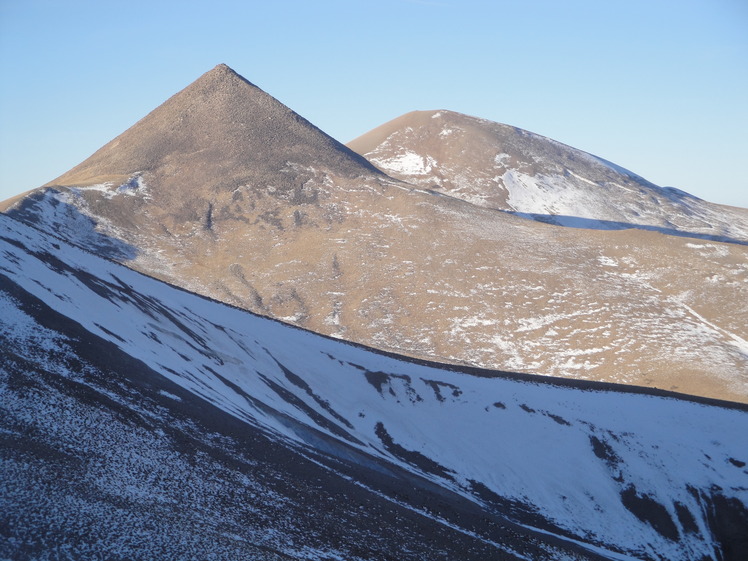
[[507, 168], [224, 191], [219, 151], [218, 131]]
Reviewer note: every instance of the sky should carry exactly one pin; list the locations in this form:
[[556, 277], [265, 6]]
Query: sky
[[659, 87]]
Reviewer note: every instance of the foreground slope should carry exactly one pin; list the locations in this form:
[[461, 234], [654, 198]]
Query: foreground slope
[[506, 465], [507, 168], [225, 192], [103, 458]]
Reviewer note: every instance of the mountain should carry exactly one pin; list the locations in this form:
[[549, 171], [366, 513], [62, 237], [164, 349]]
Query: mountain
[[141, 421], [220, 131], [507, 168], [225, 192], [211, 154]]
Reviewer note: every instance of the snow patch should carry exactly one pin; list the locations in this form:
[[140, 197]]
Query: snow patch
[[409, 163], [607, 261], [169, 395]]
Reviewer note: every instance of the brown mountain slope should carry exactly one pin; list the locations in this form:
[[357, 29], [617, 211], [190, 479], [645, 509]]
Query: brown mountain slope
[[200, 149], [224, 191], [218, 129], [507, 168]]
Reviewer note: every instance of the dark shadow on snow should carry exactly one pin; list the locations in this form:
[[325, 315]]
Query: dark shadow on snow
[[595, 224], [43, 211]]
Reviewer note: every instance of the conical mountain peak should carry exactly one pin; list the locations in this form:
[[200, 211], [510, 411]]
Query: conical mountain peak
[[219, 131]]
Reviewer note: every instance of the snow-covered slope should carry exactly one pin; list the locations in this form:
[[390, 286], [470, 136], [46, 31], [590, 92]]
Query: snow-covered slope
[[621, 474], [507, 168]]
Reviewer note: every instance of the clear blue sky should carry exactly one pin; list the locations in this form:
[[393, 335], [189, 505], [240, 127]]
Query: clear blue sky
[[657, 86]]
